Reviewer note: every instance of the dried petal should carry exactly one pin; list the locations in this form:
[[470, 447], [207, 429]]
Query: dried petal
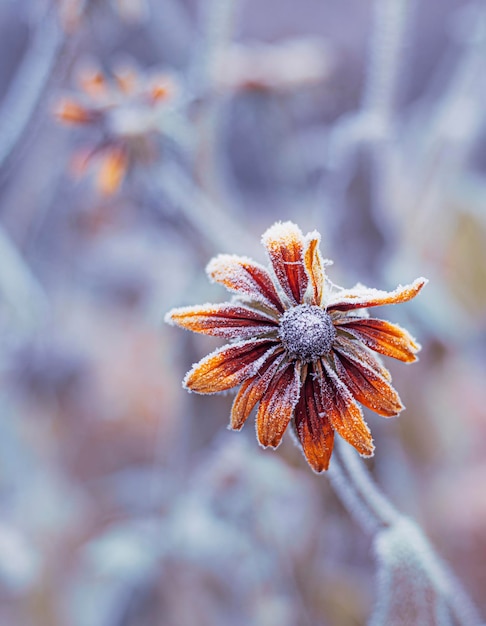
[[277, 406], [73, 112], [285, 246], [383, 337], [252, 390], [245, 278], [368, 387], [343, 413], [313, 428], [93, 82], [356, 350], [126, 79], [314, 266], [222, 320], [229, 366], [112, 170], [360, 297]]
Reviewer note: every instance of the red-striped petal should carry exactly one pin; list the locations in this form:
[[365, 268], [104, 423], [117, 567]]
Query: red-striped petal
[[343, 413], [383, 337], [372, 390], [355, 349], [285, 246], [315, 269], [222, 320], [245, 278], [229, 366], [253, 389], [277, 406], [361, 297], [313, 428]]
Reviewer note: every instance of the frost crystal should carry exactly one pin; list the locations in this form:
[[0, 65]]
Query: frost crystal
[[307, 332]]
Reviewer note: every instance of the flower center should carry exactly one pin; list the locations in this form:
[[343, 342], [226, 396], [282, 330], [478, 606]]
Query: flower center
[[307, 332]]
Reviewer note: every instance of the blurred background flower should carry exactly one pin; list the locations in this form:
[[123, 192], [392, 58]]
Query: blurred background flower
[[122, 502]]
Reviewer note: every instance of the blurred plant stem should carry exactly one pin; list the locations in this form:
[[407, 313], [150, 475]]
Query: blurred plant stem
[[19, 288], [409, 571], [391, 20], [218, 228], [28, 85]]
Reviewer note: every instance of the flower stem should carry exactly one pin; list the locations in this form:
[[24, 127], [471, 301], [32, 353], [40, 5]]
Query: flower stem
[[403, 552]]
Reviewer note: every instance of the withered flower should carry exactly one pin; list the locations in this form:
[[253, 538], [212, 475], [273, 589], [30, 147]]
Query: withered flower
[[123, 110], [300, 348], [283, 67]]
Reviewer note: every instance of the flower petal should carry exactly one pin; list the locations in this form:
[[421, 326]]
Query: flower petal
[[383, 337], [222, 320], [229, 366], [277, 406], [245, 278], [342, 411], [285, 246], [361, 297], [355, 349], [314, 266], [252, 390], [72, 112], [112, 170], [313, 428], [368, 387]]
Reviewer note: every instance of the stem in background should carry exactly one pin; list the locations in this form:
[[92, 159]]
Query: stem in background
[[219, 229], [391, 18], [27, 87]]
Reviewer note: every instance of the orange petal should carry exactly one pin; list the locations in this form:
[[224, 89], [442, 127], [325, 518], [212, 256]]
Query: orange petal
[[383, 337], [245, 278], [361, 297], [252, 390], [72, 112], [313, 428], [93, 82], [127, 79], [161, 88], [372, 390], [112, 170], [223, 320], [229, 366], [277, 406], [355, 349], [343, 413], [285, 246], [314, 265]]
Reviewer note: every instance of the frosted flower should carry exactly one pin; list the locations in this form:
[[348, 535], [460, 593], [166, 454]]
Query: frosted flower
[[283, 67], [300, 350], [124, 111]]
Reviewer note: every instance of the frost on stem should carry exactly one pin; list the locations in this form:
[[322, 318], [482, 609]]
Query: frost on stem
[[414, 586]]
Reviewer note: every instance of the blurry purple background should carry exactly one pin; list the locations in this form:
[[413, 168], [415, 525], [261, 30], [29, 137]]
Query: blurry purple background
[[124, 501]]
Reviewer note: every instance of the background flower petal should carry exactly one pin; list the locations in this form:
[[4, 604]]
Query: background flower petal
[[229, 366], [285, 246]]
